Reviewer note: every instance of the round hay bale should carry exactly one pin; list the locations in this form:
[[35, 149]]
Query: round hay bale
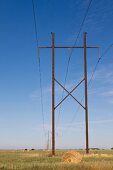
[[72, 157], [26, 150]]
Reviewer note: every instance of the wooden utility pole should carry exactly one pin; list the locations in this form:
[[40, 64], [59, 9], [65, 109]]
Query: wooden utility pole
[[86, 95], [53, 98], [53, 47]]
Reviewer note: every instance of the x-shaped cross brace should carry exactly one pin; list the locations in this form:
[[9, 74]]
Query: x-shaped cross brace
[[69, 94]]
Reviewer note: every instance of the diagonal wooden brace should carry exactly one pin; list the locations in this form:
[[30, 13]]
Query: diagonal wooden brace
[[69, 94]]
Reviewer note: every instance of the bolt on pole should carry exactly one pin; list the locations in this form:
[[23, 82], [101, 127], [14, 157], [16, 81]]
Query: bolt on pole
[[86, 95], [53, 98]]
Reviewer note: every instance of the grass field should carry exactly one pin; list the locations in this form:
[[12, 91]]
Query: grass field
[[40, 160]]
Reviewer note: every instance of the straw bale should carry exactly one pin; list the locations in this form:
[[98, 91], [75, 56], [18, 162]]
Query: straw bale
[[72, 157]]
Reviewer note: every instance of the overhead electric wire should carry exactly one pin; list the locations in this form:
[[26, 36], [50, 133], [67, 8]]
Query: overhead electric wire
[[65, 80], [91, 79], [40, 75], [96, 66]]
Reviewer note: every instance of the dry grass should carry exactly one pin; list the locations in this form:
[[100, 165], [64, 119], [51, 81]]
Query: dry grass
[[30, 155], [98, 155], [40, 160]]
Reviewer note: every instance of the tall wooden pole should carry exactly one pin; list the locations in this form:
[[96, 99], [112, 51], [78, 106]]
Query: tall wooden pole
[[69, 93], [86, 95], [53, 98]]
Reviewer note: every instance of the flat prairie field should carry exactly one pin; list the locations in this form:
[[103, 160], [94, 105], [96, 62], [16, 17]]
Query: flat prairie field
[[42, 160]]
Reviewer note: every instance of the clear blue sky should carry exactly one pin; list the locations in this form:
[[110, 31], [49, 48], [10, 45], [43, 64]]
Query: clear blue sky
[[21, 124]]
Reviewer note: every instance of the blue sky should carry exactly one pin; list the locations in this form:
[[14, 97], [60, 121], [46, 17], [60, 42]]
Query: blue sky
[[21, 124]]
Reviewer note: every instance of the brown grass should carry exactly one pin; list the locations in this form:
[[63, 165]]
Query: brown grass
[[99, 155], [30, 155]]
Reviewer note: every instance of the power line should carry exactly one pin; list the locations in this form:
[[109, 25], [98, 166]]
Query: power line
[[35, 23], [96, 66], [65, 80], [91, 79], [40, 75]]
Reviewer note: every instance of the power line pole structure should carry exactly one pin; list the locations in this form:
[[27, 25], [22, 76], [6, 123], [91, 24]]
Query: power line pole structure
[[53, 98], [86, 94], [48, 141], [53, 47]]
